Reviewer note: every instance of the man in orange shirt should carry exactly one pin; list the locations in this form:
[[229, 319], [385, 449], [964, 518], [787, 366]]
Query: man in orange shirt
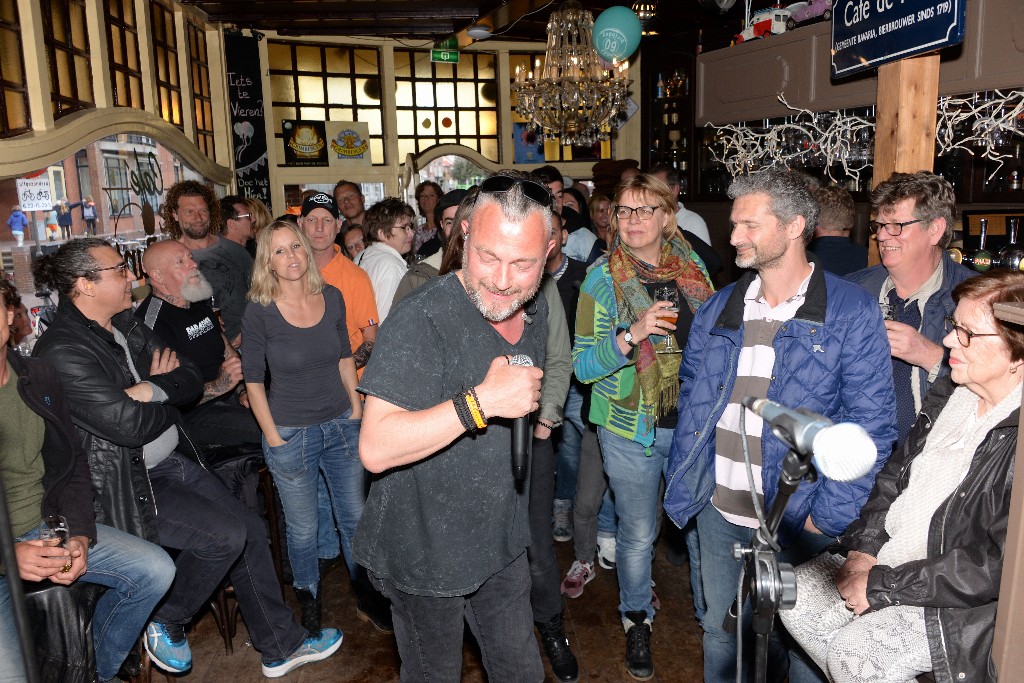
[[320, 223]]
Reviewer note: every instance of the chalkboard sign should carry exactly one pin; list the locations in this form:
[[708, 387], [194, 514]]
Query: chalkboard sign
[[248, 126], [869, 33]]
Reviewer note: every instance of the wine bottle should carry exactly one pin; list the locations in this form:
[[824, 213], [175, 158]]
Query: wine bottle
[[659, 88], [982, 258], [1012, 256]]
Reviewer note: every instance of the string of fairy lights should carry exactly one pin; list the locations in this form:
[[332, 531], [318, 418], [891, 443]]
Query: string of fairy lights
[[841, 142]]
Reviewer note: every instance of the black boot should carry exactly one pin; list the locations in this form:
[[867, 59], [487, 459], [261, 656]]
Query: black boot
[[638, 647], [556, 647], [371, 606], [310, 609]]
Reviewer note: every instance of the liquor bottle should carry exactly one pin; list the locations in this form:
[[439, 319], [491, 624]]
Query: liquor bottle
[[982, 258], [659, 88], [1012, 256]]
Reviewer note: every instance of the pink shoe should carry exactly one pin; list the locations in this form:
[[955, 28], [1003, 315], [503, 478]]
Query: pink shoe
[[580, 574]]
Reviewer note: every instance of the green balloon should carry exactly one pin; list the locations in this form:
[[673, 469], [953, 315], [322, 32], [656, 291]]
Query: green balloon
[[616, 33]]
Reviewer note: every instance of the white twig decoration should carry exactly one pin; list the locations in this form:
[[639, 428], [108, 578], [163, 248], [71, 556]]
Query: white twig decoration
[[842, 144]]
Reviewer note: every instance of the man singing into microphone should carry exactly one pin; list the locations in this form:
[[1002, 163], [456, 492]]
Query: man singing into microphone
[[445, 528], [793, 333]]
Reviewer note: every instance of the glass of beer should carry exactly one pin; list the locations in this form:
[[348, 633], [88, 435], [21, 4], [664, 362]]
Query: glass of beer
[[671, 294]]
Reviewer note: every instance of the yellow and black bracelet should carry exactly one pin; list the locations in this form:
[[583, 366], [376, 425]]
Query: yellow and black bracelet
[[474, 408]]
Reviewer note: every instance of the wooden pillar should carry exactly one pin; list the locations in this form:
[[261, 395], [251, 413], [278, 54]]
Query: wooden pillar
[[908, 96]]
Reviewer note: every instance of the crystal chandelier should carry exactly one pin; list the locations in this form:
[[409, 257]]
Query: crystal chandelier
[[573, 97]]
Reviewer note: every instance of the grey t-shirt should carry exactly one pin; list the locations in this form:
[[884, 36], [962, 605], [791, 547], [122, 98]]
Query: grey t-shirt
[[303, 361], [228, 267], [444, 525]]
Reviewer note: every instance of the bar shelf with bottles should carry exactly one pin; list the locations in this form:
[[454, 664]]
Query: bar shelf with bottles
[[989, 255], [791, 140], [671, 124]]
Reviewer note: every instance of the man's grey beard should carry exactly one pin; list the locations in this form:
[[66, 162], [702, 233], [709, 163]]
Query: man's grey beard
[[200, 291]]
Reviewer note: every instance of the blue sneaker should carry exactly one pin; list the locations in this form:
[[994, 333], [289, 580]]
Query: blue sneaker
[[167, 647], [313, 649]]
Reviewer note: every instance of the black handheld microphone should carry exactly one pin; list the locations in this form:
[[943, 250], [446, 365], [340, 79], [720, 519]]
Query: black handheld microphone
[[521, 441], [842, 452]]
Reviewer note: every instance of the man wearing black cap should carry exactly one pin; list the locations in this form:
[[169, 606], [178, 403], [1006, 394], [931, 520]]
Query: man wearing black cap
[[430, 266]]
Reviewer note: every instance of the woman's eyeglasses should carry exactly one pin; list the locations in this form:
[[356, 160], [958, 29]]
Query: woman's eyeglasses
[[532, 189], [644, 213], [964, 335]]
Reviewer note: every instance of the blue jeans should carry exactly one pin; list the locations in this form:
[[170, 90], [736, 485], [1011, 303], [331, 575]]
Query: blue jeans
[[634, 478], [136, 574], [568, 450], [429, 630], [330, 449], [719, 574], [219, 536]]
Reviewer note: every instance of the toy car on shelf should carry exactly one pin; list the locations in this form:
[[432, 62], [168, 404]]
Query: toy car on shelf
[[805, 11], [763, 23]]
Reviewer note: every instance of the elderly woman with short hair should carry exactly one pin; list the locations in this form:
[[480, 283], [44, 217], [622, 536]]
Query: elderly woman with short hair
[[918, 587]]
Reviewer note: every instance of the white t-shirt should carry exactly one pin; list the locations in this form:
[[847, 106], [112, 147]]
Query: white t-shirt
[[692, 222]]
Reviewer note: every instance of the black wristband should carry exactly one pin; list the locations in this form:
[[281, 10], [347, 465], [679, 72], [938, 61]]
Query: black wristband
[[462, 410]]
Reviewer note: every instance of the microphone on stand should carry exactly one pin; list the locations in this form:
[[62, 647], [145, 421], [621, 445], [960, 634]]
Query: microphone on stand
[[842, 452], [521, 441]]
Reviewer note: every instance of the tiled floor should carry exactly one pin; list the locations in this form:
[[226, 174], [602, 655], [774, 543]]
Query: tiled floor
[[592, 625]]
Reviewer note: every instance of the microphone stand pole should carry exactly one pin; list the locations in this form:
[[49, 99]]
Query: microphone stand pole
[[772, 584]]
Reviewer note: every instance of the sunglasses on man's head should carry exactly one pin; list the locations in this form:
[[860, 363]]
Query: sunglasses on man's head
[[531, 188]]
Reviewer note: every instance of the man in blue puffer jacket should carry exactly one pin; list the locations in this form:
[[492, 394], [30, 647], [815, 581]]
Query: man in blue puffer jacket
[[790, 332]]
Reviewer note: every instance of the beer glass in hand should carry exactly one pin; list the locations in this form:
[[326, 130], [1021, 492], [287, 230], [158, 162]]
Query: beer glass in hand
[[55, 528], [671, 294]]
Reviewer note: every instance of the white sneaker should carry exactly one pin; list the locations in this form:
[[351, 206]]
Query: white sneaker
[[606, 551]]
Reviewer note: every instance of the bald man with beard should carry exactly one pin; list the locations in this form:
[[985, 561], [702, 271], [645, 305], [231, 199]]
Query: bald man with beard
[[178, 311]]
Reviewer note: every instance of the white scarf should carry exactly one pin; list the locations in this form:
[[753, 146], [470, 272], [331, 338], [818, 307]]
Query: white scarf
[[936, 473]]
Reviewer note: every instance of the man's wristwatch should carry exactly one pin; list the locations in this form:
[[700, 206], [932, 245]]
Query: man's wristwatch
[[628, 338]]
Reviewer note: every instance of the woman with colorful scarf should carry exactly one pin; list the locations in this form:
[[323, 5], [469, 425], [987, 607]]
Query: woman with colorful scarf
[[620, 329]]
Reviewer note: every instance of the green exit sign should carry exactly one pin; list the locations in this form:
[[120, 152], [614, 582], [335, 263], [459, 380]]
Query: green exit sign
[[445, 56]]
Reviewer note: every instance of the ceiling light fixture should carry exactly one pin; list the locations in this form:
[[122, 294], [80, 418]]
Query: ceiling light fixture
[[478, 32], [646, 11], [572, 97]]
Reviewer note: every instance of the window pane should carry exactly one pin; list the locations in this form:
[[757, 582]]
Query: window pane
[[489, 148], [10, 57], [337, 60], [282, 88], [313, 113], [485, 66], [444, 71], [445, 94], [466, 95], [422, 65], [307, 58], [467, 122], [63, 85], [339, 91], [17, 113], [373, 118], [368, 91], [377, 151], [465, 69], [78, 26], [282, 113], [406, 123], [133, 51], [366, 62], [424, 96], [425, 124], [402, 68], [488, 122], [403, 94], [340, 114], [446, 122], [279, 56], [311, 90]]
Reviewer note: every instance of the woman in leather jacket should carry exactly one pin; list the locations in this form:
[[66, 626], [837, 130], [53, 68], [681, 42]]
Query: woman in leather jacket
[[919, 585]]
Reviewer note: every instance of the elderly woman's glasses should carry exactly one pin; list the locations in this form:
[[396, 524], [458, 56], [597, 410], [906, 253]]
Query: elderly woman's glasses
[[964, 335], [894, 229], [503, 183], [644, 213]]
